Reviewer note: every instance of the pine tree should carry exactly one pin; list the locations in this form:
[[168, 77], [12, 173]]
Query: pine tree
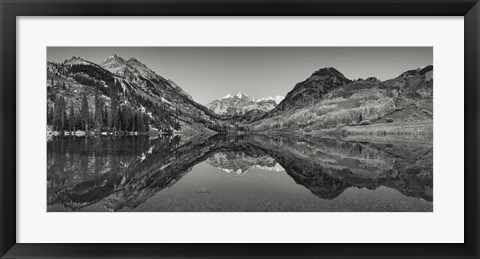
[[112, 115], [119, 119], [105, 123], [126, 118], [133, 119], [146, 123], [141, 122], [71, 119], [56, 115], [85, 113], [138, 121], [98, 113], [64, 115], [59, 116], [50, 115]]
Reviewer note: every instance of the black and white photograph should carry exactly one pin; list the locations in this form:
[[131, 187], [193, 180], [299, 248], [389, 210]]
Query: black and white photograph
[[239, 129]]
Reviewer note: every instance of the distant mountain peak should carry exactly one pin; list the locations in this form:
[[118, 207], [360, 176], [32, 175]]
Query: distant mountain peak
[[115, 56], [328, 71], [239, 95], [116, 65], [242, 95], [241, 103], [113, 59]]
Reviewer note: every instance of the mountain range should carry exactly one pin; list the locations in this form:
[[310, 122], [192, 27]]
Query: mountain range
[[239, 104], [124, 94]]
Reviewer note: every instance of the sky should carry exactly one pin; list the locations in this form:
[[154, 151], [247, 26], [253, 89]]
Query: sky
[[209, 73]]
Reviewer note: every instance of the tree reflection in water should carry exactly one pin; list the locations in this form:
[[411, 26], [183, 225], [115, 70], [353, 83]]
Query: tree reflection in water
[[117, 174]]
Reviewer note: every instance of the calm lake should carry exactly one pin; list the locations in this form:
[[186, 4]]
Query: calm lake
[[236, 173]]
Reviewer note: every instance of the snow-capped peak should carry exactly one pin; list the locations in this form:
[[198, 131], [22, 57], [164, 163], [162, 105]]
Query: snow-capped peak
[[113, 60], [277, 99], [241, 103], [114, 56], [240, 95]]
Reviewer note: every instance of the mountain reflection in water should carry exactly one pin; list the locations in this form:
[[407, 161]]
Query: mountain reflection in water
[[236, 173]]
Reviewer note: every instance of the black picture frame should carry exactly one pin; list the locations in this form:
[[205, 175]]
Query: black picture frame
[[10, 9]]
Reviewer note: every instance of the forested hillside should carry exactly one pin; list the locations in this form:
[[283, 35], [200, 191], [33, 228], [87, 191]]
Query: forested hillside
[[121, 96], [126, 98], [328, 102]]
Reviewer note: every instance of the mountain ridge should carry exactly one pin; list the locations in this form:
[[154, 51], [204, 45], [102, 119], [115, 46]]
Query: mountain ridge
[[136, 87], [326, 99], [312, 88], [241, 103], [329, 103]]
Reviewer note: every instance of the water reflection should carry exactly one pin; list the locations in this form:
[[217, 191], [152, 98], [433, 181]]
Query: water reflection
[[236, 173]]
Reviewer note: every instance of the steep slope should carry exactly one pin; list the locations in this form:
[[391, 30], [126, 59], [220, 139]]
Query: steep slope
[[156, 100], [240, 104], [117, 66], [312, 89]]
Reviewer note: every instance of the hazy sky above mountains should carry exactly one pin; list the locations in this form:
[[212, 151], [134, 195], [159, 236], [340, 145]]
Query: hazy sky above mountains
[[208, 73]]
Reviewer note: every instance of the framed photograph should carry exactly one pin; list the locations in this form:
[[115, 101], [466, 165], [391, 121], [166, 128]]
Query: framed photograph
[[235, 129]]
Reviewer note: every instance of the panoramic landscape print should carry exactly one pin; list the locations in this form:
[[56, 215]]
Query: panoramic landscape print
[[239, 129]]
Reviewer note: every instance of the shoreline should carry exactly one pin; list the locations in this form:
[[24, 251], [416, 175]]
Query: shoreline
[[415, 132]]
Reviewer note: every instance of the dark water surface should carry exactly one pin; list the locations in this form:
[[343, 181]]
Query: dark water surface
[[236, 173]]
